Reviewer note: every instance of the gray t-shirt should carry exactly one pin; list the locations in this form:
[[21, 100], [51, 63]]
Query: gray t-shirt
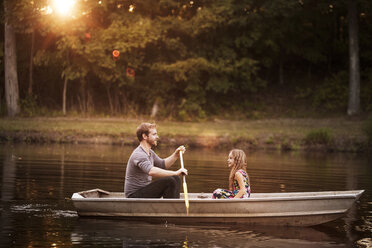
[[138, 168]]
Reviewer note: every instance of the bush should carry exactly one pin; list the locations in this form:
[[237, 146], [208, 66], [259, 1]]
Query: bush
[[29, 106], [367, 129], [366, 90], [332, 94], [189, 111], [182, 115], [322, 136]]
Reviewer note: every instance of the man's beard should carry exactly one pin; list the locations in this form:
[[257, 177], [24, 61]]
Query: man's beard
[[153, 143]]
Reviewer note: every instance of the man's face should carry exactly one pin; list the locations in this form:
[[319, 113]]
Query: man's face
[[152, 138]]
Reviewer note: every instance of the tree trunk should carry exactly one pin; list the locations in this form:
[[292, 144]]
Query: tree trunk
[[64, 96], [117, 107], [354, 70], [90, 103], [281, 70], [124, 104], [83, 99], [155, 108], [110, 98], [10, 66], [31, 65]]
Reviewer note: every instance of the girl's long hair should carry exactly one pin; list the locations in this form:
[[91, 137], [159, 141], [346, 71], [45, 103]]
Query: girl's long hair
[[240, 163]]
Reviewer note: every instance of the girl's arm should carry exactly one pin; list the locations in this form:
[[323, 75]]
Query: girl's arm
[[239, 177]]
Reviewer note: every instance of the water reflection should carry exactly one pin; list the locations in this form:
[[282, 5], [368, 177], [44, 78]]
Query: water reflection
[[139, 234], [38, 180], [7, 189]]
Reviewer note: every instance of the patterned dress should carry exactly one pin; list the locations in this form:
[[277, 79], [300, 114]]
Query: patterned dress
[[227, 194]]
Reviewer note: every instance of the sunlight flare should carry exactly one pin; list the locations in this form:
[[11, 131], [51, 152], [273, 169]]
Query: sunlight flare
[[63, 7]]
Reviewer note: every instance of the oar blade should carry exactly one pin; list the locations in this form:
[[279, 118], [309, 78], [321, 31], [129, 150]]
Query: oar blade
[[186, 197], [185, 186]]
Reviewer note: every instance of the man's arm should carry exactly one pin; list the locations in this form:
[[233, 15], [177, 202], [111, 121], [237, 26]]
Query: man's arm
[[169, 161], [158, 172]]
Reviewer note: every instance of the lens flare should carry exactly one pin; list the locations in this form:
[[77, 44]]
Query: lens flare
[[115, 53], [130, 72], [63, 7]]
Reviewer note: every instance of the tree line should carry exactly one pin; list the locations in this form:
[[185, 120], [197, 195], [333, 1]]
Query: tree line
[[186, 59]]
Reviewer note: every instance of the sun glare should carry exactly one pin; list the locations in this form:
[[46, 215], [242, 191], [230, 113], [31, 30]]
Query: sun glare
[[63, 7]]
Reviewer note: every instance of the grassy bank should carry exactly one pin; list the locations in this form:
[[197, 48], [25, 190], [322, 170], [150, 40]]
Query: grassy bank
[[286, 134]]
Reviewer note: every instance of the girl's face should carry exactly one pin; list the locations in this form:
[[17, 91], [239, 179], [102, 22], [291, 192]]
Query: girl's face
[[230, 160]]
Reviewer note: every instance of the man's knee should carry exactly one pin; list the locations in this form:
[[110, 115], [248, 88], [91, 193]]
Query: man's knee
[[176, 179], [173, 181], [172, 187]]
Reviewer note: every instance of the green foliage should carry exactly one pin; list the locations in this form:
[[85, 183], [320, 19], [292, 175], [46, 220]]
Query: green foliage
[[270, 140], [333, 92], [321, 136], [197, 57], [29, 106], [329, 95], [285, 145], [190, 111], [366, 90], [367, 129], [182, 115]]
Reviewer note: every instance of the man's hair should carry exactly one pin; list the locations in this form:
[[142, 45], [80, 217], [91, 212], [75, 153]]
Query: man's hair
[[144, 128]]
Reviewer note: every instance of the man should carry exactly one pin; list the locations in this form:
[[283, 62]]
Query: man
[[144, 164]]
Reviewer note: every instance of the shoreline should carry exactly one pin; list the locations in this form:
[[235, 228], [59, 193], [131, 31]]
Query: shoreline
[[279, 142], [336, 134]]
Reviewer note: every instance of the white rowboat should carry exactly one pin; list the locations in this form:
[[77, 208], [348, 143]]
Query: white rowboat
[[290, 209]]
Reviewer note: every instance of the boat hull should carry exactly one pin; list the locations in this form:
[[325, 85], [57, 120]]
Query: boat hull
[[291, 209]]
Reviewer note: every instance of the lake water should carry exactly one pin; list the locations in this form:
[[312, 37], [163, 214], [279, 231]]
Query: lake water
[[37, 182]]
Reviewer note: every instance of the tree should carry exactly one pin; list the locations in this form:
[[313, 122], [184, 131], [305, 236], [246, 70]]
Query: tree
[[10, 65], [206, 54], [354, 71], [66, 35], [27, 17], [191, 58]]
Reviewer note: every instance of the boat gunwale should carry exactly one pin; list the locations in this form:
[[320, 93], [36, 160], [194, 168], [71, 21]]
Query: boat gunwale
[[220, 215], [351, 194]]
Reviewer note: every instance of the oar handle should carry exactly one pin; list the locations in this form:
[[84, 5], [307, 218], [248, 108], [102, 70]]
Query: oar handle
[[184, 186], [181, 159]]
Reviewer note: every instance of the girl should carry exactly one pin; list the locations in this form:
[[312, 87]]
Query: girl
[[239, 184]]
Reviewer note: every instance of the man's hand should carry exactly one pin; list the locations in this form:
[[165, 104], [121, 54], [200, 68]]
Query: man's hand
[[181, 172], [180, 149]]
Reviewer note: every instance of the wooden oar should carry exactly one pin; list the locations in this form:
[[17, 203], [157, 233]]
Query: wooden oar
[[184, 186]]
